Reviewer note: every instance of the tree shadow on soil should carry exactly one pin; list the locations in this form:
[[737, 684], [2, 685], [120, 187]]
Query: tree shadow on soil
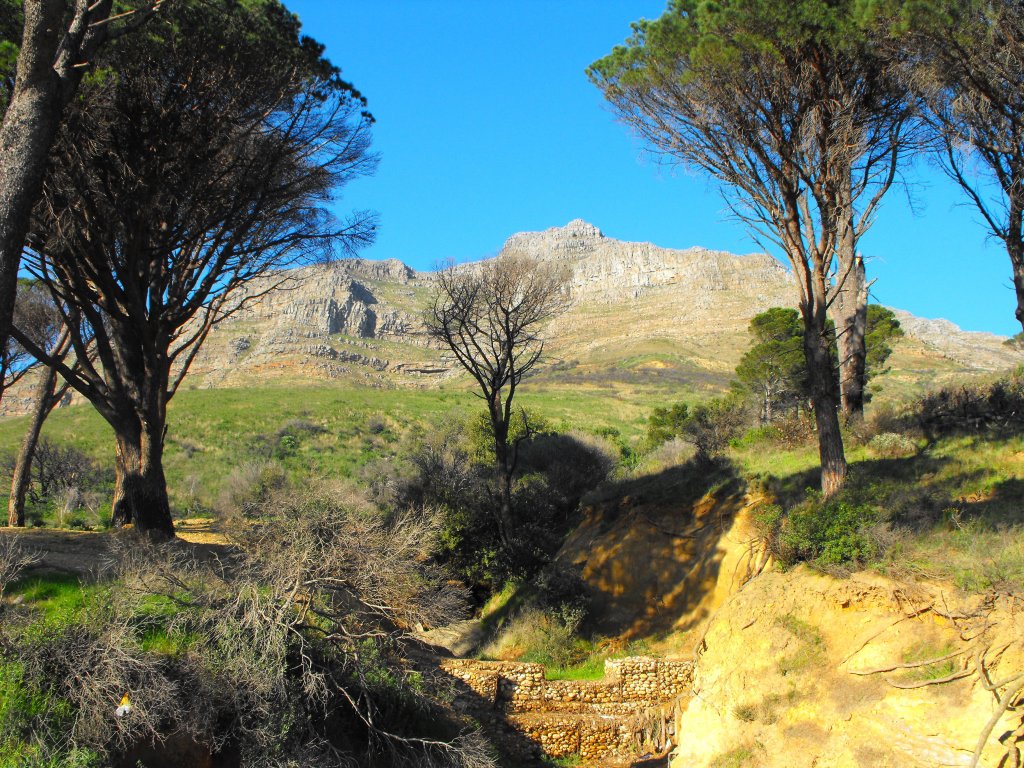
[[649, 547]]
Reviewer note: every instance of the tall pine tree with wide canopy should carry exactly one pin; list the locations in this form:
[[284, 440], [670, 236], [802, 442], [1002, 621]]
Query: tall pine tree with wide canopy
[[787, 105], [181, 185]]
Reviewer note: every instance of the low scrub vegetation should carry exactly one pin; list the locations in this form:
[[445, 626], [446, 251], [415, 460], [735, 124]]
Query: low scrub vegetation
[[290, 652], [933, 492]]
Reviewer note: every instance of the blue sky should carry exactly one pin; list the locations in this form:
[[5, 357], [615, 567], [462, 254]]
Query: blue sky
[[487, 125]]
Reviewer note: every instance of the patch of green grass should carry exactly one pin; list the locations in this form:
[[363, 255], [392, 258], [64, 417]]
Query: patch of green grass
[[741, 757], [592, 667], [167, 643], [811, 647], [568, 761], [210, 431], [924, 652], [56, 597], [23, 710]]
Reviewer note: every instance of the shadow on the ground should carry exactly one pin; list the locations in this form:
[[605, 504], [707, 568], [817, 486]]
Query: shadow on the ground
[[648, 547]]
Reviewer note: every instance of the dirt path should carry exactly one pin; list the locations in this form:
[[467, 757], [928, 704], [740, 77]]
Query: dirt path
[[88, 552]]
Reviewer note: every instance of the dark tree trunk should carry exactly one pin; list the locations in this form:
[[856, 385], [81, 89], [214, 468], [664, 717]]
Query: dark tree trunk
[[502, 469], [58, 39], [47, 397], [1015, 249], [824, 400], [140, 488]]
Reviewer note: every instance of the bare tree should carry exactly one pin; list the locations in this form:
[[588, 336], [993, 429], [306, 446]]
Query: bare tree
[[41, 321], [490, 316], [785, 105], [59, 40], [972, 82], [202, 169]]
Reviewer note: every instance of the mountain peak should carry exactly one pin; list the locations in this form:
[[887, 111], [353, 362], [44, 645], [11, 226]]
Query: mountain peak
[[579, 228]]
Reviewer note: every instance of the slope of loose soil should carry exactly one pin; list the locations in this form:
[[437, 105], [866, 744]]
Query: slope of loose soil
[[781, 676]]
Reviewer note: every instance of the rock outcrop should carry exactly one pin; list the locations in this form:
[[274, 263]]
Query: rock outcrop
[[972, 349], [604, 269]]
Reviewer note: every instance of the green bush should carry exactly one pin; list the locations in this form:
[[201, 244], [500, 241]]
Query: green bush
[[629, 456], [709, 427], [665, 424], [541, 636], [832, 532]]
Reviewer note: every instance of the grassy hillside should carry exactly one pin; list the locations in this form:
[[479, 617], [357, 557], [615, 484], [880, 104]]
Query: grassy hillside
[[332, 430]]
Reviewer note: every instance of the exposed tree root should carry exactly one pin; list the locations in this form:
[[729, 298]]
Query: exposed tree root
[[909, 664]]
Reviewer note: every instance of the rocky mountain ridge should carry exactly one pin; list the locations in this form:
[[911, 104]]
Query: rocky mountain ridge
[[640, 313]]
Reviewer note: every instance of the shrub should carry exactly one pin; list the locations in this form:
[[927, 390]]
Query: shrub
[[562, 590], [289, 653], [450, 470], [666, 424], [882, 419], [997, 407], [376, 424], [249, 485], [890, 445], [629, 456], [712, 426], [67, 487], [767, 519], [540, 636], [708, 427], [571, 462], [56, 467], [830, 532]]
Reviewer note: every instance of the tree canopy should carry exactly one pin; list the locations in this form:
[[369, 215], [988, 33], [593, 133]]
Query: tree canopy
[[774, 370], [970, 77]]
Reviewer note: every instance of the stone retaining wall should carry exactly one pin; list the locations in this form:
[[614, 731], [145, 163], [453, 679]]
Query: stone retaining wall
[[591, 718]]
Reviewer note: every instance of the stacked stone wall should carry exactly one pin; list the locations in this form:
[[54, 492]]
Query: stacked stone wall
[[591, 718]]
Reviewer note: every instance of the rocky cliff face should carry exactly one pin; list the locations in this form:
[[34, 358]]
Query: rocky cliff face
[[609, 270], [334, 298], [324, 321], [365, 318], [984, 351]]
